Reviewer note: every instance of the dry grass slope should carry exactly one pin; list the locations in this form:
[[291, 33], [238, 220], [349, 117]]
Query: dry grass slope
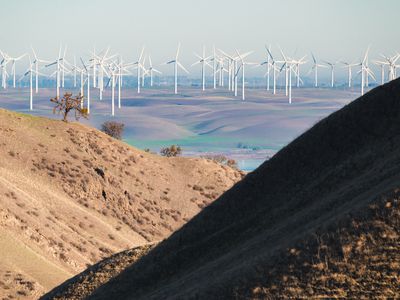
[[83, 284], [320, 219], [71, 196]]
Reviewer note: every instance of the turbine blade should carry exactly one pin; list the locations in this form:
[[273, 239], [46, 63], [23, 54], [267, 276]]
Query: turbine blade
[[182, 67]]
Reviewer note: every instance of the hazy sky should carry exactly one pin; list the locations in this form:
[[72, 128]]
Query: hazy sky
[[335, 29]]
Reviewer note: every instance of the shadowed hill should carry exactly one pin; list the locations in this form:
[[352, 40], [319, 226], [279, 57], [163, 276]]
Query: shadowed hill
[[71, 195], [320, 219]]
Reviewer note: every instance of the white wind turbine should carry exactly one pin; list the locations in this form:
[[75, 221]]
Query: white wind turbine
[[114, 72], [220, 70], [81, 72], [268, 64], [151, 69], [289, 65], [214, 60], [275, 69], [365, 71], [382, 65], [4, 73], [242, 66], [63, 68], [57, 62], [315, 67], [176, 64], [349, 67], [94, 58], [87, 70], [296, 65], [286, 65], [203, 61], [332, 66], [390, 62], [13, 61], [31, 70], [100, 61], [36, 62], [74, 68], [232, 70], [139, 68]]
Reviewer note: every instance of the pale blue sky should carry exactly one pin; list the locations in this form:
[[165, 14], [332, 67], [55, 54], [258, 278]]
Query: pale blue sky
[[339, 29]]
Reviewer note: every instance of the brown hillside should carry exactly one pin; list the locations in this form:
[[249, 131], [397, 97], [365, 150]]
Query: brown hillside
[[320, 219], [70, 196]]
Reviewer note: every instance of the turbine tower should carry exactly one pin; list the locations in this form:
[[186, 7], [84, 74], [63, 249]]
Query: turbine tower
[[30, 71], [13, 61], [365, 72], [176, 64], [315, 67], [151, 70], [332, 66], [275, 69], [242, 66], [139, 67], [349, 67], [87, 70], [203, 61], [36, 62]]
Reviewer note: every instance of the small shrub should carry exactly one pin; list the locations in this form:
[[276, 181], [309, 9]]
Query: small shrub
[[171, 151], [113, 129], [222, 159]]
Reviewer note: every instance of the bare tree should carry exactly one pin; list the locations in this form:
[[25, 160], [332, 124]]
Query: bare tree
[[68, 103]]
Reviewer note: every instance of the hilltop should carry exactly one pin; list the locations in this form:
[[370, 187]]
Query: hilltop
[[71, 195], [319, 219]]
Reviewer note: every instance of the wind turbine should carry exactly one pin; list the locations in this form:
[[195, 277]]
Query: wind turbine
[[289, 65], [286, 65], [4, 74], [315, 67], [36, 62], [87, 69], [232, 70], [203, 61], [176, 64], [114, 72], [390, 61], [382, 65], [13, 61], [151, 69], [30, 71], [221, 69], [214, 60], [268, 64], [332, 66], [140, 67], [243, 64], [57, 72], [275, 69], [100, 61], [63, 68], [349, 67], [94, 66], [296, 64], [365, 71], [74, 69]]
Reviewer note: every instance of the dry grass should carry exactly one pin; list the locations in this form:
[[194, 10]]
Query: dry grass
[[321, 219], [62, 185]]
